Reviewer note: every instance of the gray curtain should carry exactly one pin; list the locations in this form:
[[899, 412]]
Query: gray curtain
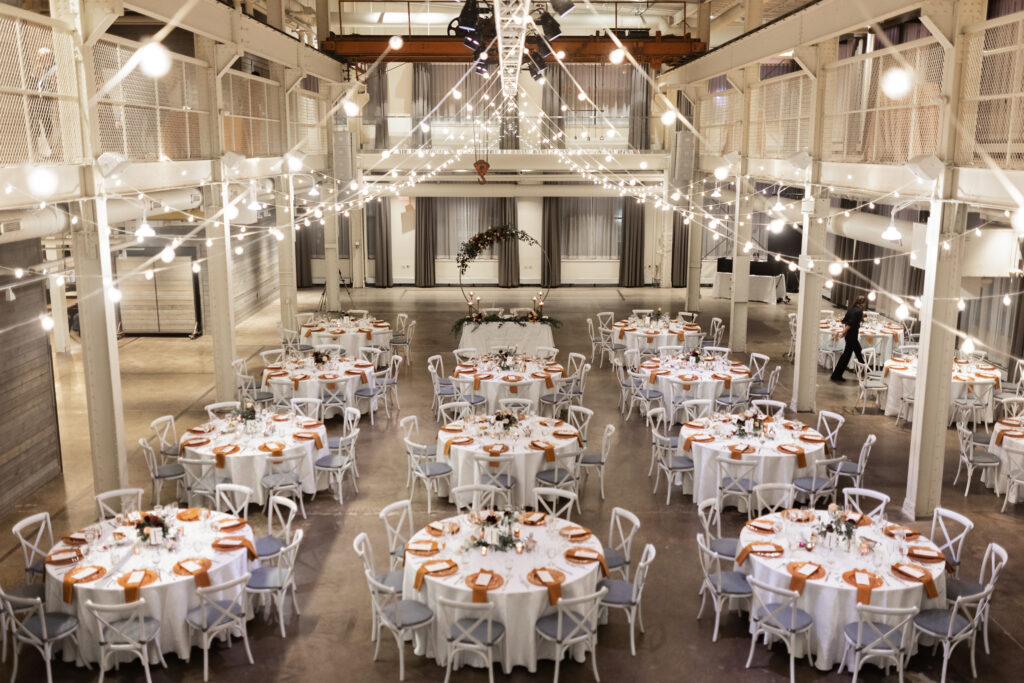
[[639, 109], [508, 135], [631, 261], [376, 109], [551, 244], [505, 213], [378, 221], [304, 251], [680, 233], [552, 106], [421, 104], [425, 209]]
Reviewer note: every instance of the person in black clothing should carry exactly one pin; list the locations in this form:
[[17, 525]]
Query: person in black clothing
[[850, 333]]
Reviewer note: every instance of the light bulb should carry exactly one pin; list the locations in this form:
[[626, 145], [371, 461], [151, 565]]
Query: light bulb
[[902, 311], [810, 264], [581, 96], [668, 117], [231, 212], [294, 162], [872, 296], [829, 284], [617, 55], [722, 172], [167, 255], [115, 294], [792, 265], [59, 281], [42, 182], [238, 250], [835, 268], [917, 302], [560, 54], [350, 108], [46, 321], [776, 225], [1006, 299], [195, 267], [154, 60], [19, 273], [877, 261], [960, 305], [456, 93], [148, 274], [896, 83], [395, 42], [892, 233], [209, 243], [675, 196], [564, 107], [424, 126], [968, 346]]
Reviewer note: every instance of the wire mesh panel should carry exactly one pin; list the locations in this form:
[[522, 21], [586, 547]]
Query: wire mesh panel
[[780, 117], [863, 124], [252, 122], [308, 121], [721, 122], [147, 119], [40, 118], [992, 104]]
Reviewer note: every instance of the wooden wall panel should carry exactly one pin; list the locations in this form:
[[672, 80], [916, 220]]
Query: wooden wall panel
[[28, 430]]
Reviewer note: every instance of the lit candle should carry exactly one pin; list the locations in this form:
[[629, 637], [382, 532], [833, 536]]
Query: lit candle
[[515, 531], [519, 547], [483, 551]]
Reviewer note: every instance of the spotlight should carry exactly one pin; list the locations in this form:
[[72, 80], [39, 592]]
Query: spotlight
[[469, 16], [548, 25], [562, 7], [395, 42], [154, 60], [536, 64]]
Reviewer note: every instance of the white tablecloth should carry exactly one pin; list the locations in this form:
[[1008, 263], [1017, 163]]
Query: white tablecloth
[[896, 373], [248, 466], [485, 335], [350, 372], [766, 288], [704, 379], [518, 603], [637, 335], [528, 460], [494, 383], [775, 467], [1009, 450], [831, 601], [351, 334], [168, 599]]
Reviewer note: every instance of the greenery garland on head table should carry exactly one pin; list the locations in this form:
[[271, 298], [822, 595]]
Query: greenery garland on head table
[[469, 251]]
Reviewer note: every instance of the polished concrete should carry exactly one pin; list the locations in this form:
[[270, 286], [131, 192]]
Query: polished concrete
[[331, 638]]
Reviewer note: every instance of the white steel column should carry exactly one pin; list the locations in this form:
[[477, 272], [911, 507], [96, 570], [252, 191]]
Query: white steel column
[[742, 231], [323, 22], [285, 217], [355, 222], [695, 238], [61, 335], [332, 190]]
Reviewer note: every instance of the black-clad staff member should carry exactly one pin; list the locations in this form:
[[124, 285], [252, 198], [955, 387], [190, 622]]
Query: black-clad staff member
[[851, 331]]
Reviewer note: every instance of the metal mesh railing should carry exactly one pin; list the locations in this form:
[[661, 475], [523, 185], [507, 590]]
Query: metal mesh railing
[[992, 102], [252, 121], [147, 119], [780, 116], [721, 122], [307, 122], [862, 124], [40, 116]]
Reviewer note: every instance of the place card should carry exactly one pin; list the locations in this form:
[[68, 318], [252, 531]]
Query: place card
[[585, 554], [84, 573], [136, 577], [422, 546], [191, 566], [436, 565], [761, 525], [926, 552], [436, 526], [911, 571], [77, 536], [764, 548], [862, 579], [545, 576], [534, 517], [807, 569], [63, 555], [228, 542], [483, 579]]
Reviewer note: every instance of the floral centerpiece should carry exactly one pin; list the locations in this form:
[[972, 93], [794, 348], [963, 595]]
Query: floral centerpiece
[[837, 528], [247, 412], [694, 356], [504, 359], [144, 527], [505, 420], [496, 531], [320, 357]]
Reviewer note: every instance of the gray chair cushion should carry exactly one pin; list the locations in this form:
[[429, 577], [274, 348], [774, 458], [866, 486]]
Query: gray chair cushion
[[435, 469], [214, 616], [58, 624], [680, 463], [391, 580], [982, 437], [38, 567], [406, 613], [728, 483], [446, 390], [268, 545], [617, 347], [733, 583], [170, 452], [171, 470], [784, 617], [261, 396], [504, 481], [810, 484], [649, 394], [479, 633], [130, 628], [727, 547], [270, 481], [305, 347], [983, 458], [958, 588], [614, 558], [846, 467], [549, 626], [473, 399], [555, 476], [619, 592], [398, 339], [367, 392], [936, 621], [265, 578], [731, 400], [333, 461], [872, 632], [591, 459]]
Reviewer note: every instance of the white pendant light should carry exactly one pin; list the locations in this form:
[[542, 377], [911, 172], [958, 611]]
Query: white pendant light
[[892, 233]]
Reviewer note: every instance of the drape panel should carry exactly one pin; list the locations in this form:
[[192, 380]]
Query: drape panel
[[551, 243], [425, 241], [554, 117], [421, 105], [631, 261], [680, 245], [304, 250], [376, 109], [506, 213], [639, 108], [378, 224], [590, 228]]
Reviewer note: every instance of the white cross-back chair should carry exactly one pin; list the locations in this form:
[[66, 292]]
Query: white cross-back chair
[[200, 479], [455, 411], [392, 579], [823, 481], [605, 318], [597, 461], [280, 516], [829, 424], [35, 534], [282, 479], [495, 470], [955, 625], [525, 406], [560, 504], [282, 389], [574, 624], [339, 462], [774, 613], [881, 635], [159, 473], [711, 523], [374, 392], [220, 612], [625, 595], [272, 583], [757, 364], [470, 628], [670, 462], [736, 480], [949, 530], [401, 617], [773, 497], [307, 407], [719, 582], [110, 504], [465, 354], [166, 435], [397, 518], [774, 409], [234, 499], [855, 470], [424, 467], [766, 389], [479, 497], [218, 410], [992, 565], [621, 530], [971, 457], [272, 356], [30, 624], [865, 501], [127, 629]]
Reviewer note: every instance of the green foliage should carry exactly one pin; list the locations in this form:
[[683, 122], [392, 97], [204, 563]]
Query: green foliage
[[479, 319], [476, 244]]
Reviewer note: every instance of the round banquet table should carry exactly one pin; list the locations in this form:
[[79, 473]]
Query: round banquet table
[[531, 375], [707, 438], [883, 336], [639, 334], [1007, 444], [349, 333], [899, 370], [680, 377], [249, 463], [305, 376], [168, 598], [528, 459], [831, 600], [518, 602]]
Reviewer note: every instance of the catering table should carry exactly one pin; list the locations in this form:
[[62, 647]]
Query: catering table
[[243, 453], [900, 369], [1007, 444], [169, 589], [880, 334], [351, 333], [766, 288], [484, 336], [783, 452], [682, 376], [520, 600], [351, 372], [644, 333], [830, 594], [531, 376], [459, 441]]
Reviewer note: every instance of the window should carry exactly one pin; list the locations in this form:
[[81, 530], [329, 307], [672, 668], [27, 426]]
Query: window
[[591, 228], [459, 218]]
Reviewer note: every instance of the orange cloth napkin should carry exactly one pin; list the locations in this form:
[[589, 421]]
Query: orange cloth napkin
[[367, 332], [192, 443], [231, 525], [298, 378], [494, 450], [911, 572], [82, 574], [757, 548], [463, 371], [219, 453], [200, 576], [310, 436], [433, 567], [359, 373], [1012, 433], [63, 557], [725, 378], [658, 373], [698, 438], [793, 449], [480, 378], [548, 448], [863, 590], [190, 514], [572, 554], [480, 592], [554, 586], [546, 376], [738, 450], [568, 434], [458, 441], [131, 590], [243, 543], [798, 579], [327, 376]]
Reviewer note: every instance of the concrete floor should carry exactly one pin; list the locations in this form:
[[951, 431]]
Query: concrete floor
[[161, 376]]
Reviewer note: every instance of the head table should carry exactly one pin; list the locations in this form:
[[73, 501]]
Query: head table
[[525, 336], [558, 558], [109, 564], [242, 453], [534, 442], [495, 377], [883, 565]]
